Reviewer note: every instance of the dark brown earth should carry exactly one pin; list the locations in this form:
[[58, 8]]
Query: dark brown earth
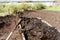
[[35, 29], [7, 24], [53, 17]]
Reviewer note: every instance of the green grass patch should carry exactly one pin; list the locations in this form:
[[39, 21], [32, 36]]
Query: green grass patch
[[13, 8], [4, 14], [54, 8]]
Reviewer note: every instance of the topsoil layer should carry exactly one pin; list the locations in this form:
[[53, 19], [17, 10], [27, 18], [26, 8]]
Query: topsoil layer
[[33, 28], [53, 17], [7, 24]]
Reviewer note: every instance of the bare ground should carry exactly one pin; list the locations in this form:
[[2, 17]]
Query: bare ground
[[53, 17], [7, 24]]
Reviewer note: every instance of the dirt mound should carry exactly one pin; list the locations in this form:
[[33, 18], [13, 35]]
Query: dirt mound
[[7, 23], [35, 29]]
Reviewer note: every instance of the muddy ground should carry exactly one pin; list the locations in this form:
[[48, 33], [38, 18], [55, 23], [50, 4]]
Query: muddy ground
[[7, 23]]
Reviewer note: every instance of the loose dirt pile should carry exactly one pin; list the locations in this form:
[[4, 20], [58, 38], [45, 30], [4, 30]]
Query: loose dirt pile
[[35, 29], [7, 24], [32, 28], [53, 17]]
